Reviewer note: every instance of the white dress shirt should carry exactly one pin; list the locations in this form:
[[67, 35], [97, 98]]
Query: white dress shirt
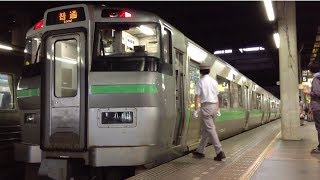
[[207, 89]]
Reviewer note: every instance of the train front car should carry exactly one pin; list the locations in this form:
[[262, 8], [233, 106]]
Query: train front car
[[28, 98], [107, 89], [131, 92]]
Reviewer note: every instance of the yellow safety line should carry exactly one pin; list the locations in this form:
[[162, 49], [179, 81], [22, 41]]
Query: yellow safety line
[[253, 168]]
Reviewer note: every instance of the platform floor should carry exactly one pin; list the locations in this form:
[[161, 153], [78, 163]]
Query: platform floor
[[292, 159], [257, 154]]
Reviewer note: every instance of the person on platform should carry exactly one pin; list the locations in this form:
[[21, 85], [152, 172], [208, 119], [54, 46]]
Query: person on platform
[[314, 92], [206, 93]]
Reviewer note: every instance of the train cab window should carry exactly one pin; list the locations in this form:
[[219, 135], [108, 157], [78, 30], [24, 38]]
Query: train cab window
[[126, 47], [32, 50], [66, 68], [32, 57], [128, 38], [194, 75], [224, 93], [167, 46], [6, 92]]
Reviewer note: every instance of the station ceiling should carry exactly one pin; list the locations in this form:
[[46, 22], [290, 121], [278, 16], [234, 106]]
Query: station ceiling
[[213, 25]]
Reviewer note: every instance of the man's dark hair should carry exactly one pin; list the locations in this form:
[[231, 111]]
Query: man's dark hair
[[314, 66], [204, 71]]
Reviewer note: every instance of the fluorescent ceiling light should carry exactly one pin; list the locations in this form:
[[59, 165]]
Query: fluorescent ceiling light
[[146, 30], [6, 47], [276, 38], [196, 53], [226, 51], [219, 52], [269, 9], [251, 49]]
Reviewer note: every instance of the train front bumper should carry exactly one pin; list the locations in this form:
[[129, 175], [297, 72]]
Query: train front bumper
[[27, 153]]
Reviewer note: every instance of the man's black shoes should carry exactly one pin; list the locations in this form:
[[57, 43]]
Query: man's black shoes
[[197, 154], [220, 156]]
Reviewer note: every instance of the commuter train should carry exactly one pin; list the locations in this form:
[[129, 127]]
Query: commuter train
[[117, 90]]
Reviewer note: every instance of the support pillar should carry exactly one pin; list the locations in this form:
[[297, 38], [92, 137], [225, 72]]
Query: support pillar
[[288, 64]]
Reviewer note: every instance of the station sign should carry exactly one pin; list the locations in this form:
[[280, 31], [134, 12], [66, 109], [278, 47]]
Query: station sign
[[304, 75]]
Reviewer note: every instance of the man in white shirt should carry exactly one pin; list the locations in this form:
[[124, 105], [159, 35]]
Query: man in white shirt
[[207, 93]]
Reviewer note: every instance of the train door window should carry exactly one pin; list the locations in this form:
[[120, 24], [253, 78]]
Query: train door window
[[194, 75], [6, 92], [240, 99], [66, 68], [258, 101], [262, 101], [224, 92], [254, 104], [167, 46]]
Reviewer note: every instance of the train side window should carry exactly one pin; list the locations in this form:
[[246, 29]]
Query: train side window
[[167, 46], [6, 92], [194, 76], [224, 93], [66, 68]]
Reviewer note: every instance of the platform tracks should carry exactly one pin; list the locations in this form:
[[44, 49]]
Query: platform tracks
[[244, 154]]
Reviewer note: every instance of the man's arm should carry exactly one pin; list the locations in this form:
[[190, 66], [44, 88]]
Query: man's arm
[[315, 88], [196, 102]]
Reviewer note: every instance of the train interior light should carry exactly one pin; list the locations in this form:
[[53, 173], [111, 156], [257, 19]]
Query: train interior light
[[146, 30]]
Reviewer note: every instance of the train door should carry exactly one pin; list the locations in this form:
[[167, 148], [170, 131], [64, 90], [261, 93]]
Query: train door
[[179, 75], [193, 124], [263, 108], [268, 109], [63, 98], [246, 106]]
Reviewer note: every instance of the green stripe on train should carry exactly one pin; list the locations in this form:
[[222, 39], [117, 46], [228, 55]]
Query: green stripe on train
[[28, 92], [227, 115], [124, 89], [255, 113]]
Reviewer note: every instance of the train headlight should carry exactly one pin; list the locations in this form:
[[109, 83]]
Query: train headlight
[[29, 118], [117, 117]]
